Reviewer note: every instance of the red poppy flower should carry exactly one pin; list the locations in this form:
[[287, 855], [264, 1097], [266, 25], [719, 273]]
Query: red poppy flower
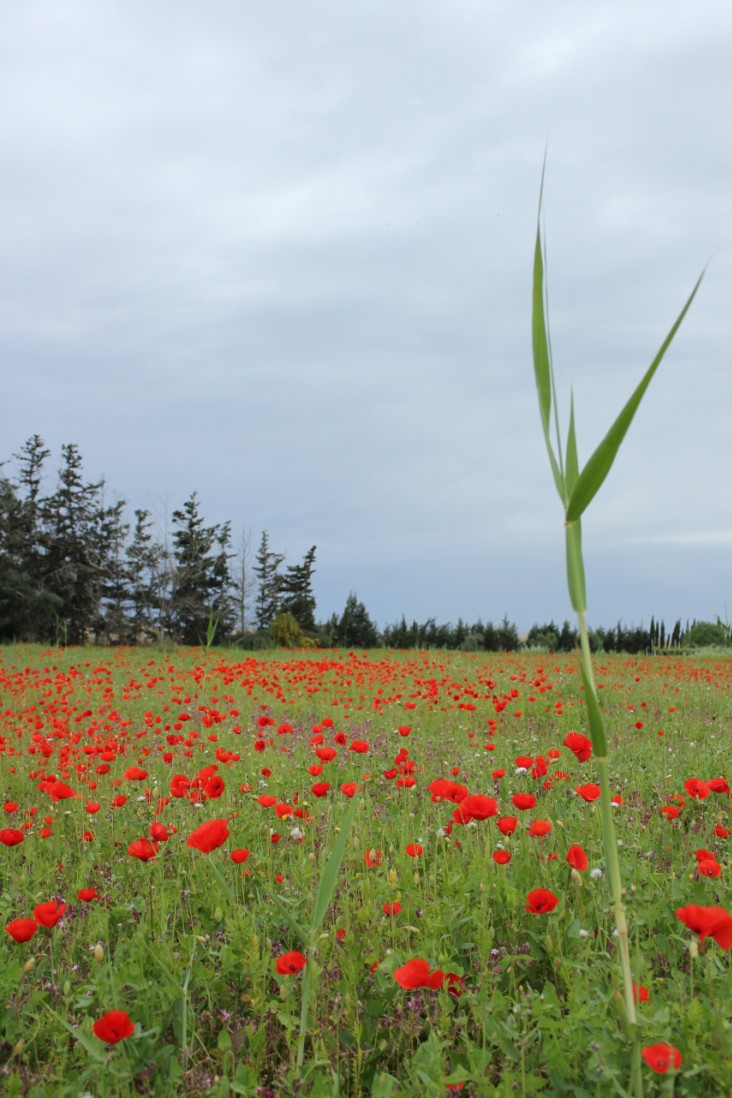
[[214, 787], [113, 1027], [320, 789], [359, 746], [239, 856], [660, 1057], [208, 836], [588, 792], [501, 857], [142, 849], [669, 811], [135, 774], [577, 858], [372, 857], [92, 807], [22, 930], [349, 789], [541, 901], [48, 914], [579, 745], [326, 754], [119, 801], [179, 785], [719, 785], [708, 922], [476, 806], [696, 788], [266, 800], [709, 867], [10, 836], [507, 824], [414, 850], [87, 895], [416, 973], [539, 828], [289, 964], [524, 801], [158, 832], [392, 908], [640, 993]]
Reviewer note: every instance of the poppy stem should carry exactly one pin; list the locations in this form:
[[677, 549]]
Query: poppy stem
[[609, 840]]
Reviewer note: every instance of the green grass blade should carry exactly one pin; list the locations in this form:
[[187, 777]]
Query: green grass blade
[[571, 463], [598, 466], [542, 359], [329, 876]]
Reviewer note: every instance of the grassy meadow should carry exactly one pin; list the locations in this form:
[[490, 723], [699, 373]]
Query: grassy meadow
[[177, 919]]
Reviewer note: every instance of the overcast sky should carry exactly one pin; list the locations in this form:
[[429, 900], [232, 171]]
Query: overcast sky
[[281, 254]]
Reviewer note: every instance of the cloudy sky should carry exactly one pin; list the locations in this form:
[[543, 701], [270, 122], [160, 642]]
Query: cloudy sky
[[281, 254]]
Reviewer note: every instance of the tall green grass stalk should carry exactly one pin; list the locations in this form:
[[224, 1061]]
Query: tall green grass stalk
[[577, 488]]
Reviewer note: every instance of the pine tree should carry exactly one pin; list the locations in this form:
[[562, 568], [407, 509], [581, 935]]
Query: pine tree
[[196, 579], [111, 576], [355, 627], [37, 603], [69, 517], [269, 581], [143, 566], [296, 590]]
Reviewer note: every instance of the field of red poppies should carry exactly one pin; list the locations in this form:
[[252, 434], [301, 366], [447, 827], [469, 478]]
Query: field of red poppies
[[359, 873]]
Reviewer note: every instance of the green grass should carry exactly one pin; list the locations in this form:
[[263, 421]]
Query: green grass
[[186, 944]]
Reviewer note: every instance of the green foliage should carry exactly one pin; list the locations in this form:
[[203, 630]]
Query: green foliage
[[703, 634], [355, 628]]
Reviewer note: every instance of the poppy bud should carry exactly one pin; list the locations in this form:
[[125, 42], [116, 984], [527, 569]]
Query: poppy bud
[[393, 876], [99, 952], [693, 949], [576, 878], [29, 965], [18, 1047]]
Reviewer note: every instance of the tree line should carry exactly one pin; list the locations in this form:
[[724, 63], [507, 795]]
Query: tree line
[[75, 570]]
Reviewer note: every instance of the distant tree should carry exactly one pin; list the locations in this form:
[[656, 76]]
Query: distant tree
[[355, 628], [16, 591], [223, 602], [267, 603], [507, 636], [568, 638], [543, 636], [39, 604], [243, 585], [491, 638], [296, 591], [199, 577], [111, 575], [71, 562], [143, 562], [705, 634]]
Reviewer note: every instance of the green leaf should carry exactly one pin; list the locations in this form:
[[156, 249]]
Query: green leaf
[[571, 464], [542, 358], [598, 466], [329, 876]]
